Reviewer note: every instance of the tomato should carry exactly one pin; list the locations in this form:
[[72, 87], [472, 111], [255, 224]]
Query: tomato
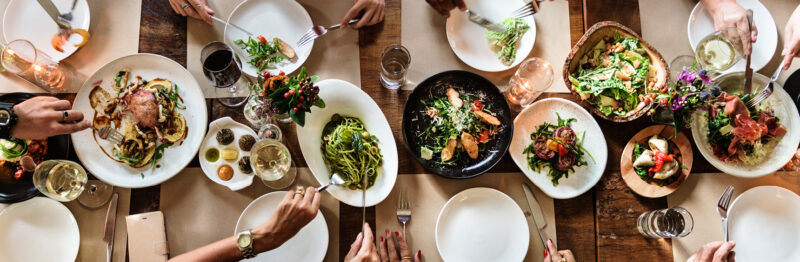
[[18, 174], [562, 151], [262, 39], [484, 137], [477, 105]]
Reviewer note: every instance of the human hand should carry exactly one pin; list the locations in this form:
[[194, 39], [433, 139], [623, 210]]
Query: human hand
[[444, 6], [363, 248], [293, 213], [195, 8], [791, 39], [43, 116], [554, 255], [727, 13], [388, 250], [372, 10], [714, 252]]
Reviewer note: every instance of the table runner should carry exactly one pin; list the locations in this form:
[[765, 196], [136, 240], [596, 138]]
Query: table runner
[[115, 33], [699, 195], [428, 194], [334, 56], [91, 223], [424, 36], [198, 211]]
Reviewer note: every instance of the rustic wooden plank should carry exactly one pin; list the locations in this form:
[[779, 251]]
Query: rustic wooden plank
[[625, 12]]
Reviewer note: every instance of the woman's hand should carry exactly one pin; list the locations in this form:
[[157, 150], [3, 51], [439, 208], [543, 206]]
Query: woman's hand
[[791, 39], [363, 249], [293, 213], [714, 252], [554, 255], [43, 116], [389, 251], [727, 13], [194, 8], [372, 13], [444, 6]]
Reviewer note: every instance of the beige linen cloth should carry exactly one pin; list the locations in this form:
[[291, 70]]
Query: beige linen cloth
[[91, 223], [334, 56], [198, 211], [424, 35], [115, 33], [428, 194]]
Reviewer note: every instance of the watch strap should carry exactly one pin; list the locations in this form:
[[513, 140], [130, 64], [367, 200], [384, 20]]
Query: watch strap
[[5, 128], [247, 251]]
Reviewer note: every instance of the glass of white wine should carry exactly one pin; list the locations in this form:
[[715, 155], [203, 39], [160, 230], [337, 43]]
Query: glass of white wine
[[62, 180], [272, 163], [720, 50]]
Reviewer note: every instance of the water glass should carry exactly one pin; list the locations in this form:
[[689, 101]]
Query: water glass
[[23, 59], [62, 180], [533, 77], [395, 60], [223, 71], [666, 223]]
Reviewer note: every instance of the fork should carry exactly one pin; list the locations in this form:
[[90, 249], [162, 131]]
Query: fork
[[403, 209], [722, 208], [530, 8], [317, 31], [108, 133], [767, 91], [68, 15]]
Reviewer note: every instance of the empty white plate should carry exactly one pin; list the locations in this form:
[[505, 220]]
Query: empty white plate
[[482, 224], [310, 244], [468, 40], [39, 229], [26, 19], [701, 24], [765, 224]]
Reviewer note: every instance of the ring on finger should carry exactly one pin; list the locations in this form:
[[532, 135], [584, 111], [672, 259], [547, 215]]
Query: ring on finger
[[404, 258], [185, 5], [299, 190], [563, 259], [65, 116]]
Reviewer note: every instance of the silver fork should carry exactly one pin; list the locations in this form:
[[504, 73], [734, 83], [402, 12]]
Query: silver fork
[[317, 31], [722, 208], [530, 8], [108, 133], [403, 209], [767, 91], [68, 15]]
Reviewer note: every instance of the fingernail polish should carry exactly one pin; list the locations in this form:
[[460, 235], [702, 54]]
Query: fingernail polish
[[545, 253], [381, 239], [397, 233], [419, 253], [388, 232], [549, 241]]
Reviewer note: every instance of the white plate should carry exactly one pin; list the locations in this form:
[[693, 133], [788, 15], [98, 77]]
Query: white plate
[[28, 227], [25, 19], [285, 19], [482, 224], [585, 177], [468, 40], [765, 224], [344, 98], [176, 157], [701, 24], [239, 180], [310, 244]]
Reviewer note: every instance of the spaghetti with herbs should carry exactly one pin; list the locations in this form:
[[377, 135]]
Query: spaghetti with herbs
[[352, 152]]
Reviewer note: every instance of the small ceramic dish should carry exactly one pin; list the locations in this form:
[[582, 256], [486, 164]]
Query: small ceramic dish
[[680, 145], [239, 180]]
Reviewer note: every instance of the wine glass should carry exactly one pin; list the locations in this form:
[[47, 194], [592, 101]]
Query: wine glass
[[62, 180], [533, 77], [96, 193], [720, 50], [222, 69], [272, 163]]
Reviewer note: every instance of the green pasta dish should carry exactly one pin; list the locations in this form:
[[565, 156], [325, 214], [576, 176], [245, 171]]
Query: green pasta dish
[[505, 44], [351, 151], [615, 76]]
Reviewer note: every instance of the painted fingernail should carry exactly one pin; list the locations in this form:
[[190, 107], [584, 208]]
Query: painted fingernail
[[381, 239], [397, 233], [545, 253], [388, 232], [549, 241], [419, 253]]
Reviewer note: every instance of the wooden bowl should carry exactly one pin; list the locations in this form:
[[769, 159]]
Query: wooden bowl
[[653, 190], [596, 33]]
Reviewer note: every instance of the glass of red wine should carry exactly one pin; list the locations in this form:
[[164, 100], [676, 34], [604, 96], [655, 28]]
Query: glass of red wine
[[223, 71]]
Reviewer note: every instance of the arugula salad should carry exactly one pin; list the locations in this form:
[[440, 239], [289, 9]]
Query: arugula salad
[[505, 44], [556, 147], [615, 76], [266, 54]]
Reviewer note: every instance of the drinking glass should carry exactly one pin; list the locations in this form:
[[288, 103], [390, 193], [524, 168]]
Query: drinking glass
[[223, 71], [270, 131], [23, 59], [533, 77], [62, 180], [666, 223], [96, 194], [272, 163], [395, 60], [722, 49]]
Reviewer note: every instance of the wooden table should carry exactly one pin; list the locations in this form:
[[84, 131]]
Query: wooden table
[[598, 225]]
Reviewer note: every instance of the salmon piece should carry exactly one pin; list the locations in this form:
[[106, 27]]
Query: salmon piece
[[487, 118], [470, 145], [447, 152], [454, 98]]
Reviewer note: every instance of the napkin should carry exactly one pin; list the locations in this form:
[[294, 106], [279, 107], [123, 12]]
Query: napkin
[[428, 194]]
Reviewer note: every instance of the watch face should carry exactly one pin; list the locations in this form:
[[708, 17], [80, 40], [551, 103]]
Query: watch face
[[5, 117], [243, 240]]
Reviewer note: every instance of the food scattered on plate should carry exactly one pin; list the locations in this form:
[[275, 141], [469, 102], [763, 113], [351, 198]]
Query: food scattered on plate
[[657, 162], [505, 44], [267, 54], [738, 133], [225, 172], [19, 157], [349, 150], [145, 112], [246, 142], [60, 39], [556, 147]]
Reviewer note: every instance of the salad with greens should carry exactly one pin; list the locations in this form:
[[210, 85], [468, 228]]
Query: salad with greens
[[505, 44], [615, 76], [265, 54], [556, 147]]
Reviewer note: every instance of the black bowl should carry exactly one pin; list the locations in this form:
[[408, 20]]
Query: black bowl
[[792, 86], [465, 82], [18, 190]]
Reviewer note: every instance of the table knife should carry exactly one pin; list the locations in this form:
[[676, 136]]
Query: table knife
[[111, 222], [52, 11], [535, 214], [478, 19], [748, 71]]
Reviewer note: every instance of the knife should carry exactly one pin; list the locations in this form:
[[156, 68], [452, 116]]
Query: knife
[[535, 214], [52, 11], [478, 19], [748, 71], [111, 222]]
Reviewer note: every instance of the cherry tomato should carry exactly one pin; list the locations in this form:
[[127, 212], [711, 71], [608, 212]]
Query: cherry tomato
[[477, 105], [562, 151], [262, 39], [18, 174], [484, 137]]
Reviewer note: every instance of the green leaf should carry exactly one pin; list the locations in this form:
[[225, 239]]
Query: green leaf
[[319, 103], [314, 79]]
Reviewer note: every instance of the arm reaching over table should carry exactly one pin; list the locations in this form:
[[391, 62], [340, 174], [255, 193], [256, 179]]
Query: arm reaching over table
[[728, 13], [293, 213], [714, 252], [45, 116], [195, 8], [371, 12], [791, 39], [552, 254]]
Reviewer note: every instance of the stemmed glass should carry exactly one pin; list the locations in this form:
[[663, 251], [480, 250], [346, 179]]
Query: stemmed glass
[[64, 180], [533, 77], [720, 50], [223, 71]]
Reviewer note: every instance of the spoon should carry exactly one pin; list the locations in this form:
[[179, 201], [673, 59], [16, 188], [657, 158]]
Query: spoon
[[336, 180]]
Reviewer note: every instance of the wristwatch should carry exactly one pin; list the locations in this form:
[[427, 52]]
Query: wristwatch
[[244, 240], [7, 119]]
